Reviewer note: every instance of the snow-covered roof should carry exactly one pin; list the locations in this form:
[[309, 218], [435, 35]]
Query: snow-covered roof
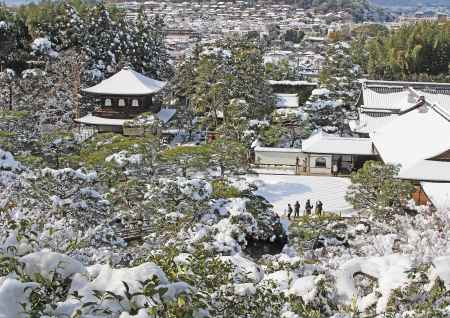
[[100, 121], [166, 114], [438, 193], [403, 83], [392, 100], [412, 139], [126, 83], [292, 83], [320, 92], [426, 170], [329, 144], [402, 96], [367, 123], [270, 149], [286, 100]]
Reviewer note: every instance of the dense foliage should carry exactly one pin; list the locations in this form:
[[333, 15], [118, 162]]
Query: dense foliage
[[105, 225], [414, 52], [227, 83], [106, 40], [376, 189]]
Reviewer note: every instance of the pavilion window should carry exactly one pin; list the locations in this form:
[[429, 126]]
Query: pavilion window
[[321, 162], [135, 103], [121, 102], [108, 102]]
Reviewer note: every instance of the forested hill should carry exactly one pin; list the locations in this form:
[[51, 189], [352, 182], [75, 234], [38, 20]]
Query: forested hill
[[362, 10], [409, 3]]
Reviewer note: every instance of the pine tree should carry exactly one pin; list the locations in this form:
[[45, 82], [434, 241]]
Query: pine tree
[[249, 79], [148, 54], [376, 189]]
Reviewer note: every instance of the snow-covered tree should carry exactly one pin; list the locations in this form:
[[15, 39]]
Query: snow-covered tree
[[376, 190]]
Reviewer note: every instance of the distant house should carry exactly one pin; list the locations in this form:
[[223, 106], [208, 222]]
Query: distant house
[[319, 154], [425, 16], [276, 57], [122, 97], [291, 94], [327, 153]]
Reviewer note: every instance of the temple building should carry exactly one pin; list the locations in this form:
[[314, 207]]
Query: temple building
[[409, 125], [122, 97], [401, 123]]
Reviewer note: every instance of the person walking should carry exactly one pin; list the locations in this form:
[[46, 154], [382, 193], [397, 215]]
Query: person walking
[[289, 211], [308, 207], [297, 210], [334, 170], [319, 207]]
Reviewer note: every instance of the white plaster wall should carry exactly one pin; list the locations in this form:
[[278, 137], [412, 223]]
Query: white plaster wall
[[278, 158]]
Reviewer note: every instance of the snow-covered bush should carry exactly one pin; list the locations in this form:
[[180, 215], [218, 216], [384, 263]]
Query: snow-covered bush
[[43, 47]]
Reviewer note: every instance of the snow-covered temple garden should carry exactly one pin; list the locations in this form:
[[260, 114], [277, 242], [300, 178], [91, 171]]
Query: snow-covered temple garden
[[136, 185], [172, 246]]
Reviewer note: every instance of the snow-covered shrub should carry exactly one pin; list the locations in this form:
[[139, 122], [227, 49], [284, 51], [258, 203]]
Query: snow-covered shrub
[[43, 47], [7, 162]]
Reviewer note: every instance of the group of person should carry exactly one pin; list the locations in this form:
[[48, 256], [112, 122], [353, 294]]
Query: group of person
[[308, 208]]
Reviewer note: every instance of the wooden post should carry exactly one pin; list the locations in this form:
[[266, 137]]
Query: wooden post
[[76, 86], [10, 95], [308, 163]]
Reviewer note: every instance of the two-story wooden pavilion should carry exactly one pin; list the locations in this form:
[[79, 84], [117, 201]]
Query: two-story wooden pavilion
[[122, 97]]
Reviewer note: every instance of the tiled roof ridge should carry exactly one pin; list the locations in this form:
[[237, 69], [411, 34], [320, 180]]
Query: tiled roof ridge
[[369, 83]]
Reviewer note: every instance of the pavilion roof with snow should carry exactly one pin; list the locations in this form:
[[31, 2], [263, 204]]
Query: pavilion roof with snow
[[127, 83], [122, 97]]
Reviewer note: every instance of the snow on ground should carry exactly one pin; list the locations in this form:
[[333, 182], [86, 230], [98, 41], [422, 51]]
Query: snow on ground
[[283, 189], [390, 270], [7, 161], [12, 294], [442, 267]]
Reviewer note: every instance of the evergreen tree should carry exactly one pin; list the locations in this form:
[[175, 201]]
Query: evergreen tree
[[149, 52], [376, 189], [413, 52], [249, 79], [102, 42]]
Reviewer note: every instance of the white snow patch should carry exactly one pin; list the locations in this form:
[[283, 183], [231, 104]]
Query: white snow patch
[[282, 279], [306, 287], [442, 265], [320, 92], [7, 161], [12, 294], [47, 263], [389, 270], [244, 268], [280, 190]]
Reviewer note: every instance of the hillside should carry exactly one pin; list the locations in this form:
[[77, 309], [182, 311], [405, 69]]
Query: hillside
[[408, 3]]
